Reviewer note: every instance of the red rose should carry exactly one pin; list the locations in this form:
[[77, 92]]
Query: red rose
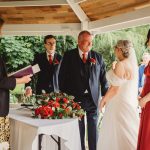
[[56, 62], [56, 105], [57, 99], [65, 100], [50, 111], [37, 111], [67, 110], [64, 106], [50, 102], [47, 111], [74, 105], [78, 107], [44, 112], [60, 115], [92, 60]]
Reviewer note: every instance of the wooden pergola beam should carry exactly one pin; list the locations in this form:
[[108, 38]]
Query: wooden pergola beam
[[79, 13], [41, 29], [33, 3], [131, 19], [37, 3]]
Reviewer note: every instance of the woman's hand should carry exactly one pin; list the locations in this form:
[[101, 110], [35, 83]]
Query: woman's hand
[[101, 105], [24, 79], [142, 103]]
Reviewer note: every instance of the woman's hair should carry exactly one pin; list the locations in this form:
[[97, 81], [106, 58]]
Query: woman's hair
[[148, 38], [125, 46]]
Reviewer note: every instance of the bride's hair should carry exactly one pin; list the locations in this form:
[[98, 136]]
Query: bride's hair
[[125, 46]]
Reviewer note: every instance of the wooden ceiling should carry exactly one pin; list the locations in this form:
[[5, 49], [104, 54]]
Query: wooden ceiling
[[38, 15], [99, 9], [94, 9]]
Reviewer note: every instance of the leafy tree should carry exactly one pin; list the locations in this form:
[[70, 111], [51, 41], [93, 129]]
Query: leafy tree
[[15, 53]]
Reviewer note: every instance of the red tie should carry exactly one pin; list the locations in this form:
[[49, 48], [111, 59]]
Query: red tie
[[50, 59], [84, 57]]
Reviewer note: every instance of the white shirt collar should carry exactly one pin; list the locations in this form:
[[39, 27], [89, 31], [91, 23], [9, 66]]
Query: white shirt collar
[[53, 53], [80, 53]]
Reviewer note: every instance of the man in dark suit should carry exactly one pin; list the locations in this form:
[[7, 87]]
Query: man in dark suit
[[49, 63], [82, 72], [6, 84]]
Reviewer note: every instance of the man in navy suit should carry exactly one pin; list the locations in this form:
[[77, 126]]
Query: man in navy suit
[[49, 63], [82, 73], [6, 84]]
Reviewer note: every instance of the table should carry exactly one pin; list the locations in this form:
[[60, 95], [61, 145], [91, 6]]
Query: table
[[26, 130]]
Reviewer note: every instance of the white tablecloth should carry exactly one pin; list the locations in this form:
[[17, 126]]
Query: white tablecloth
[[25, 131]]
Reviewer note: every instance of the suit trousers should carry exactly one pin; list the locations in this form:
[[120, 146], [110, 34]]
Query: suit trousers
[[92, 117]]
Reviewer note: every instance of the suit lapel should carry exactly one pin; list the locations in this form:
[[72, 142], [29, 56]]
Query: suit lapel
[[91, 66], [79, 61], [45, 58]]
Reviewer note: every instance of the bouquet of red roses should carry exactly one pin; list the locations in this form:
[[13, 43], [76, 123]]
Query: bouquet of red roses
[[57, 106]]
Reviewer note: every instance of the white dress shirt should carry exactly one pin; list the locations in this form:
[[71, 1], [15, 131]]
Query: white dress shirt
[[53, 53], [81, 54]]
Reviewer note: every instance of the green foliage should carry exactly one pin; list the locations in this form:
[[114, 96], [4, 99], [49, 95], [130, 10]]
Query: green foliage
[[65, 43], [15, 53], [70, 43]]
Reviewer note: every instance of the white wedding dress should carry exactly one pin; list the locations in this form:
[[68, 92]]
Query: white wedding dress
[[119, 129]]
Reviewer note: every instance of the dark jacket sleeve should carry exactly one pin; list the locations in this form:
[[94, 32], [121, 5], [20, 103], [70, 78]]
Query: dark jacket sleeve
[[62, 77], [7, 83], [103, 80]]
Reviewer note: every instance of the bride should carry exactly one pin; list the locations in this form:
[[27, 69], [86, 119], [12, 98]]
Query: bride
[[119, 130]]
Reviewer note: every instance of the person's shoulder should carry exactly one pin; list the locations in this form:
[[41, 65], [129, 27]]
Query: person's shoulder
[[71, 52], [119, 69], [97, 54], [39, 55], [58, 56]]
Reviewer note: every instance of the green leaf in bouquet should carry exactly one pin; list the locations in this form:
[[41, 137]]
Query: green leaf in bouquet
[[39, 102], [71, 97]]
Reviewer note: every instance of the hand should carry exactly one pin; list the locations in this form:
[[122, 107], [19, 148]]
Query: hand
[[101, 105], [24, 79], [142, 103], [28, 91]]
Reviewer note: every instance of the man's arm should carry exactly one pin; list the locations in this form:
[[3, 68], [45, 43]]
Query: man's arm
[[62, 77], [7, 83], [103, 80]]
